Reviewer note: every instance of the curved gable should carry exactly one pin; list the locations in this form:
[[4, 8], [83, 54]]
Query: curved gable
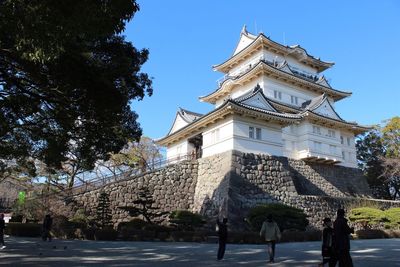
[[326, 109]]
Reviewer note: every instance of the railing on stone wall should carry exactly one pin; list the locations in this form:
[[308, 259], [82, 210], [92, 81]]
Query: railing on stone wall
[[92, 184]]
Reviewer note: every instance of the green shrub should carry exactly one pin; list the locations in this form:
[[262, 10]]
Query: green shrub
[[366, 216], [131, 230], [392, 218], [81, 219], [186, 220], [106, 233], [134, 224], [285, 216], [23, 229]]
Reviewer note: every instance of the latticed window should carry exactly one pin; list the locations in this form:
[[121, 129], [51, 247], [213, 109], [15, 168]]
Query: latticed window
[[251, 132]]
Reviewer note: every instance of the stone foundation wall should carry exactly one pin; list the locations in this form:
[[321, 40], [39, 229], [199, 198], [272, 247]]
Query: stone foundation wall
[[173, 188], [319, 190], [211, 194], [231, 183]]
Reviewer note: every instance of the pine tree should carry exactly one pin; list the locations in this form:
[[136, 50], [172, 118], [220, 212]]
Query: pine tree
[[143, 205], [103, 212]]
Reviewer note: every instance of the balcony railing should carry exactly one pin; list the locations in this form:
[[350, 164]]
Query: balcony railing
[[98, 182], [296, 71]]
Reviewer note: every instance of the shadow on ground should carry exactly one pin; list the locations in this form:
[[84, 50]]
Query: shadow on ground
[[33, 252]]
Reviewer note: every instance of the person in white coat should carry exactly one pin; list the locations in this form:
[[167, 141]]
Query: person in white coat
[[270, 231]]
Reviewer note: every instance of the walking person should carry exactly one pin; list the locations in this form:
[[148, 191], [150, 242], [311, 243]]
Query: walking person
[[222, 229], [327, 244], [341, 240], [270, 231], [2, 227], [47, 223]]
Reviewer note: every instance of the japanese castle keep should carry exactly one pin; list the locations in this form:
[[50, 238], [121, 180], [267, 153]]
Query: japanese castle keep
[[271, 100], [273, 136]]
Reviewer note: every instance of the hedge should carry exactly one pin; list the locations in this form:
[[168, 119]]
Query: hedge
[[372, 217], [285, 216], [23, 229]]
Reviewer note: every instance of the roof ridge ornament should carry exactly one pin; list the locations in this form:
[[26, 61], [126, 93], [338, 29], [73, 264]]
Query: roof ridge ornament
[[244, 30], [258, 87]]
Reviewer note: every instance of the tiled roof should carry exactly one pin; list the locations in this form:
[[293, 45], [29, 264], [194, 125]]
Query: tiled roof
[[281, 68], [189, 116]]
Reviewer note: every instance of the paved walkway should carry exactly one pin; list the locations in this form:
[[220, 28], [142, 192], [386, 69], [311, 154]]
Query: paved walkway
[[33, 252]]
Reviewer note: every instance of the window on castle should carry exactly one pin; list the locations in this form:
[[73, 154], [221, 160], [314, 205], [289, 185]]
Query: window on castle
[[331, 133], [277, 95], [294, 100], [316, 130], [251, 132], [343, 155], [348, 141], [341, 140], [254, 133], [258, 133]]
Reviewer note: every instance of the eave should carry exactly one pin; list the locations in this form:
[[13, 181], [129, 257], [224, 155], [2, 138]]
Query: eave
[[227, 109], [263, 42], [263, 68], [333, 123]]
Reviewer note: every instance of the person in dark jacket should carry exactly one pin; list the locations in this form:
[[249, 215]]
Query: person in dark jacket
[[327, 243], [47, 223], [222, 237], [2, 227], [341, 240]]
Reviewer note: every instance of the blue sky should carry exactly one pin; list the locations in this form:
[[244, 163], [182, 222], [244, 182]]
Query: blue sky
[[186, 38]]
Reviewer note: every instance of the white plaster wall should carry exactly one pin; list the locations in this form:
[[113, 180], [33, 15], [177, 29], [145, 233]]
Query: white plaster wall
[[253, 60], [287, 90], [178, 150], [271, 137], [349, 150], [241, 90], [270, 56], [178, 124], [213, 145], [290, 141], [306, 138], [243, 42]]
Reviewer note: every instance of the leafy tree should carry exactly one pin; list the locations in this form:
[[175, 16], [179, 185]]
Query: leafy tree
[[370, 151], [67, 78], [391, 137], [103, 211], [391, 161], [143, 206], [186, 220], [140, 155], [378, 153]]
